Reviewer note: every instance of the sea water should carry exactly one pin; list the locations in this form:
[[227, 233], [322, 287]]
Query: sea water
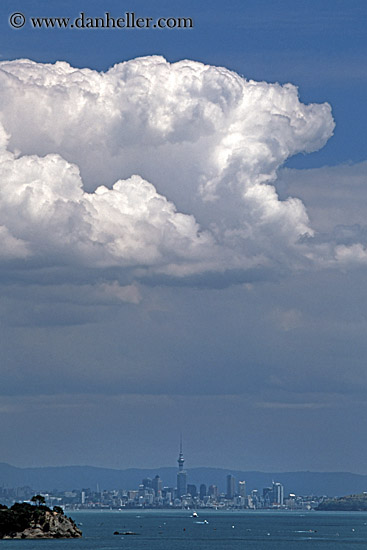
[[211, 530]]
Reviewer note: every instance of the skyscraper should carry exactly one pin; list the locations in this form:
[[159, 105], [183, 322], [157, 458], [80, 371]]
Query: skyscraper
[[278, 493], [157, 485], [242, 488], [213, 492], [192, 490], [202, 491], [147, 482], [181, 474], [230, 486]]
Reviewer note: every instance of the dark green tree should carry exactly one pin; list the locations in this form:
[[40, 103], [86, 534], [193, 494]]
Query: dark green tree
[[38, 499]]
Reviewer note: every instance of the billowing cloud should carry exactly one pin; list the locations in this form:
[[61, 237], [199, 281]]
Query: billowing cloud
[[46, 213], [151, 166]]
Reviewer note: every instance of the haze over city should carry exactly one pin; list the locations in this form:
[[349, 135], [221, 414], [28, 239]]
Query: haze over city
[[183, 237]]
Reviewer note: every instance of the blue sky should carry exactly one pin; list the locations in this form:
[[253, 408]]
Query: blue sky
[[241, 325]]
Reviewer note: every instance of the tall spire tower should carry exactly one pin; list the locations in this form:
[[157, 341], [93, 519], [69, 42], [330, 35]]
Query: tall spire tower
[[180, 459], [181, 474]]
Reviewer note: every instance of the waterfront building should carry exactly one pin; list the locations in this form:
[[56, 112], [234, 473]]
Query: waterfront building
[[133, 495]]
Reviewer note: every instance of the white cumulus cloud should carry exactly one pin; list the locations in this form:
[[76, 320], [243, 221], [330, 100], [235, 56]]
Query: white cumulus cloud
[[151, 165]]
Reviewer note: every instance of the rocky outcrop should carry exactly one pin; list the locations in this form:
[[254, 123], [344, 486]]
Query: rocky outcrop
[[23, 521]]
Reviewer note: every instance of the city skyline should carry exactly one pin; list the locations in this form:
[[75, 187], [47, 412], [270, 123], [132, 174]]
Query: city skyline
[[154, 493], [183, 239]]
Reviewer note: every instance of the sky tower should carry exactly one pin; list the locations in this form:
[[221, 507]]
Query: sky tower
[[181, 474], [180, 459]]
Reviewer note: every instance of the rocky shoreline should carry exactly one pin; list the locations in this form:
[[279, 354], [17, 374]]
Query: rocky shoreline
[[24, 521]]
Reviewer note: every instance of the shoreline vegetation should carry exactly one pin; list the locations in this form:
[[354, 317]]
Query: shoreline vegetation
[[36, 521], [350, 503]]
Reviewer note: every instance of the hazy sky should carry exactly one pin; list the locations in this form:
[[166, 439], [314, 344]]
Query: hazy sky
[[183, 236]]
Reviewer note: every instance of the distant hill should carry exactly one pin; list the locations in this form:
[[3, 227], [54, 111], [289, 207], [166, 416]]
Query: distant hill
[[350, 503], [78, 477]]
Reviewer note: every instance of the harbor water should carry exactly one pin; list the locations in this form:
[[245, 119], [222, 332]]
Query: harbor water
[[211, 530]]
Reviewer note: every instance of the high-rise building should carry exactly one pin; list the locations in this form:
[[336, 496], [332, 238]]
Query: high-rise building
[[167, 494], [267, 496], [181, 474], [192, 490], [202, 491], [157, 485], [273, 495], [255, 497], [147, 482], [213, 491], [230, 486], [278, 493], [242, 488]]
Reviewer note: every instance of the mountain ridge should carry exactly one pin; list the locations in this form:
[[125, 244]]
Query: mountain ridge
[[63, 478]]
